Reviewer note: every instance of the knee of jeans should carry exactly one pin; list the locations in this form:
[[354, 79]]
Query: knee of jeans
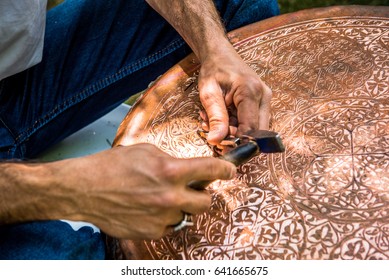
[[13, 153], [7, 145], [238, 13]]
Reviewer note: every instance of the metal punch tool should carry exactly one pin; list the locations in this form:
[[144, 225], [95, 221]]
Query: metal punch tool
[[245, 148]]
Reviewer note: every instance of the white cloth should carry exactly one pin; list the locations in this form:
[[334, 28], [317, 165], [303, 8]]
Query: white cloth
[[22, 27]]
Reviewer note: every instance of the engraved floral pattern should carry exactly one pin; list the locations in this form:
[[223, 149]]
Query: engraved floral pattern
[[327, 196]]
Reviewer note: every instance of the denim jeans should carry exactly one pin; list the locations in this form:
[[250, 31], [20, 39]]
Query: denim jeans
[[96, 55]]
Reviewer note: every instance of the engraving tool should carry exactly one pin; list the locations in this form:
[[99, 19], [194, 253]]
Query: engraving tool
[[245, 148]]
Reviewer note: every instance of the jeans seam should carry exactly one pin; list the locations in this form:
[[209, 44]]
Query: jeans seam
[[93, 88]]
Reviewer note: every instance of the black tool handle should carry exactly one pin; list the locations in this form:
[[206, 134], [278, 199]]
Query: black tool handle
[[238, 156]]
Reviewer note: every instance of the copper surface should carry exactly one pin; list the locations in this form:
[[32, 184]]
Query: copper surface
[[327, 196]]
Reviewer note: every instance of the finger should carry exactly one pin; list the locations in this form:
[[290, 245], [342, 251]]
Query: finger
[[253, 108], [179, 217], [203, 115], [204, 123], [207, 168], [186, 218], [204, 126], [211, 97], [196, 202], [233, 130], [232, 115], [248, 116], [265, 109]]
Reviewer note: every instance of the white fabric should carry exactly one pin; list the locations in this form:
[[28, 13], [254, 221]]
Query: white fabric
[[22, 26], [77, 225]]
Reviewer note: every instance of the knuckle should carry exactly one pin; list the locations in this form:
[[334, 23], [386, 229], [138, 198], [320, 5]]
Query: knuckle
[[170, 170], [171, 200], [267, 92], [168, 198], [258, 92], [262, 88]]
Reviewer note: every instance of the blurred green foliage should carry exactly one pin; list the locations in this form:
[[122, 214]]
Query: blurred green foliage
[[288, 6], [52, 3]]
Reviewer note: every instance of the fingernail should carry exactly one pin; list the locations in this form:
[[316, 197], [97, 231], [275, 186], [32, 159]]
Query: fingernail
[[214, 137]]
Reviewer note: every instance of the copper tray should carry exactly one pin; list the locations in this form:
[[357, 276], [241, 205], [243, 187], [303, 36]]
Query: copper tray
[[327, 196]]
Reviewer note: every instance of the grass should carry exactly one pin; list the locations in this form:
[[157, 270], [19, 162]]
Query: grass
[[287, 6], [53, 3]]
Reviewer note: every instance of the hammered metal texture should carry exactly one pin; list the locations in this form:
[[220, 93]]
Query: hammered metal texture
[[327, 196]]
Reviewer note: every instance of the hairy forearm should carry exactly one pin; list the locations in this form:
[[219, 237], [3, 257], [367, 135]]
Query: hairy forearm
[[30, 192], [197, 22]]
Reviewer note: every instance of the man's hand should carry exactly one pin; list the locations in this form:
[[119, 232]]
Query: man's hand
[[234, 98], [134, 192], [139, 192], [230, 91]]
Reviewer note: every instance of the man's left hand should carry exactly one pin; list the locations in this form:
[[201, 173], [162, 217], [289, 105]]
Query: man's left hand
[[235, 99]]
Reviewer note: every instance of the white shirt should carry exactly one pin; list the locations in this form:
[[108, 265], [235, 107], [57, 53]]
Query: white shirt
[[22, 27]]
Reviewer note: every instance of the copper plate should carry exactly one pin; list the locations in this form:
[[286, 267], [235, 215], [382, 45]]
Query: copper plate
[[327, 196]]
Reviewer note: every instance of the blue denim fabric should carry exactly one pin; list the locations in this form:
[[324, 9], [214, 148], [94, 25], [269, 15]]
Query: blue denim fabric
[[50, 240], [96, 55]]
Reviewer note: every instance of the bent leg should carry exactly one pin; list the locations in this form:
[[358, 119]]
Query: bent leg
[[51, 240], [96, 55]]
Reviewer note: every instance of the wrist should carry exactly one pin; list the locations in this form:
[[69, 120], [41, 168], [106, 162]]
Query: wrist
[[214, 48], [31, 192]]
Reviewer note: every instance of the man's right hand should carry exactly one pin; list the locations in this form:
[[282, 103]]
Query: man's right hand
[[133, 192]]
